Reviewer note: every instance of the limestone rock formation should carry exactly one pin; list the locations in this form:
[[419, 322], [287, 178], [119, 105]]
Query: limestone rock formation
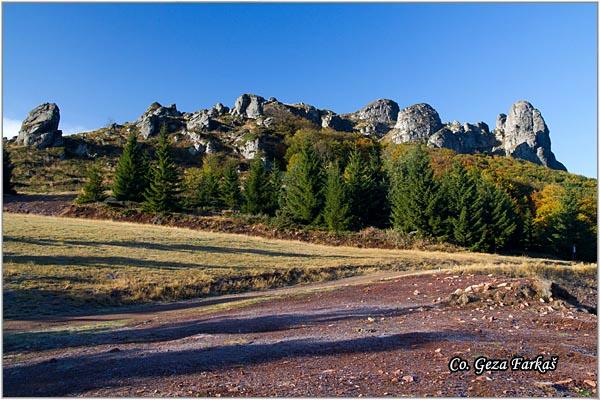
[[464, 138], [249, 106], [151, 121], [40, 128], [331, 120], [523, 134], [416, 123], [382, 111]]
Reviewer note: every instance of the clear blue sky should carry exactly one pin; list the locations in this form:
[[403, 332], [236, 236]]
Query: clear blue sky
[[102, 62]]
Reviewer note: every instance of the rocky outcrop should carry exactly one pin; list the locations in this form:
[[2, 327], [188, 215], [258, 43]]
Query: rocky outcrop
[[383, 111], [331, 120], [464, 138], [40, 128], [523, 134], [151, 121], [249, 106], [416, 124], [265, 146]]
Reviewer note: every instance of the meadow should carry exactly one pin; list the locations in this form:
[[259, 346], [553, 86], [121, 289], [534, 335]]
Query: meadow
[[64, 266]]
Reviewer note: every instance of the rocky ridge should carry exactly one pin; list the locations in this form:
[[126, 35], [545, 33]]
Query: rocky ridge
[[254, 125]]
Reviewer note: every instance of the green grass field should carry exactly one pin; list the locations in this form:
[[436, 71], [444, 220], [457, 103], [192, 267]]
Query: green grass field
[[55, 266]]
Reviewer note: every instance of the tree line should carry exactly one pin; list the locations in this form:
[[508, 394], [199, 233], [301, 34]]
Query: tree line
[[355, 188]]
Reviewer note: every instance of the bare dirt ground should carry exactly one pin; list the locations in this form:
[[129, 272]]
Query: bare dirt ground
[[362, 336]]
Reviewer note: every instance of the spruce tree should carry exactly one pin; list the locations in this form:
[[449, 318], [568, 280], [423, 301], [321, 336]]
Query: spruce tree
[[256, 188], [302, 197], [504, 219], [360, 184], [336, 212], [527, 230], [566, 230], [7, 172], [93, 189], [131, 173], [162, 192], [274, 185], [466, 209], [229, 189], [415, 197]]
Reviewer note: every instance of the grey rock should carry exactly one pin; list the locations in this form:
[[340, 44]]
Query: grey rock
[[264, 146], [220, 109], [524, 135], [249, 106], [383, 111], [151, 121], [464, 138], [333, 121], [40, 128], [416, 124], [202, 120]]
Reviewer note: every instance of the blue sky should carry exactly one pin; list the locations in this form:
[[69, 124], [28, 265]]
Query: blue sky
[[108, 62]]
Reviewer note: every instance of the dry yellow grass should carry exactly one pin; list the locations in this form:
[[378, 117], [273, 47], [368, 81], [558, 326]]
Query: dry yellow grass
[[63, 265]]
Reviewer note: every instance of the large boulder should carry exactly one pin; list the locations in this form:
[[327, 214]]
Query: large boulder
[[40, 128], [383, 111], [464, 138], [152, 120], [523, 134], [331, 120], [249, 106], [416, 124]]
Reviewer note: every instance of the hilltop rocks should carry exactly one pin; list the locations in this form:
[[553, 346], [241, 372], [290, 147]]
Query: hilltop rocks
[[249, 106], [40, 128], [151, 121], [331, 120], [416, 124], [523, 134], [381, 111], [466, 138]]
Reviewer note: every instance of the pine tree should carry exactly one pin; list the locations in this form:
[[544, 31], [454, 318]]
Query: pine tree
[[8, 186], [131, 173], [336, 212], [229, 189], [302, 190], [256, 188], [504, 219], [93, 190], [527, 230], [567, 228], [162, 193], [360, 185], [415, 197], [466, 209], [275, 185]]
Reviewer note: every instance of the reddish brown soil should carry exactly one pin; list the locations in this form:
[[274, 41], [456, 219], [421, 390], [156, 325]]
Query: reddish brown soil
[[385, 338]]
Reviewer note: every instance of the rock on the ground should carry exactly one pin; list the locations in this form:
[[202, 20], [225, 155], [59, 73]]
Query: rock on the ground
[[249, 106], [416, 123], [151, 121], [524, 135], [40, 128]]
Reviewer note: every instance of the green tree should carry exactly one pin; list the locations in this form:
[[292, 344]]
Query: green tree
[[93, 189], [360, 184], [567, 229], [302, 197], [162, 193], [8, 186], [415, 195], [229, 188], [131, 174], [275, 184], [498, 215], [336, 212], [256, 188], [466, 209]]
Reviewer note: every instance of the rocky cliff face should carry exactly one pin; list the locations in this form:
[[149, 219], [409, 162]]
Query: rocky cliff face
[[521, 134], [40, 128]]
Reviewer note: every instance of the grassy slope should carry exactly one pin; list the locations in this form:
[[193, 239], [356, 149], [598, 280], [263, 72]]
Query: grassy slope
[[61, 265]]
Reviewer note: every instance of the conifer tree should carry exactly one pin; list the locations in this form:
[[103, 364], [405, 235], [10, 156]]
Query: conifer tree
[[7, 172], [303, 183], [275, 185], [336, 212], [567, 228], [527, 230], [229, 188], [131, 173], [466, 209], [415, 195], [360, 184], [256, 188], [93, 189], [163, 190]]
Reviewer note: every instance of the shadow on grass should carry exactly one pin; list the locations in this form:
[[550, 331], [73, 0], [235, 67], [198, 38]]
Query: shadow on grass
[[75, 374], [178, 247]]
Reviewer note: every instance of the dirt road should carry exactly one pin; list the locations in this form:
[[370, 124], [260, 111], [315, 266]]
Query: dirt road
[[362, 336]]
